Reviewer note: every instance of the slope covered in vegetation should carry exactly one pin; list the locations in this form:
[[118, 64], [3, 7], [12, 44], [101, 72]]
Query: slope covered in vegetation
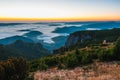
[[25, 49], [78, 57], [91, 63], [95, 71], [81, 39]]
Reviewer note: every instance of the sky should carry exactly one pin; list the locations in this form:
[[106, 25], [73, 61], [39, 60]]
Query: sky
[[53, 10]]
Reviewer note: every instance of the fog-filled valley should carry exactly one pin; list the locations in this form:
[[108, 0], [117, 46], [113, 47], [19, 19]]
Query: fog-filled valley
[[51, 35]]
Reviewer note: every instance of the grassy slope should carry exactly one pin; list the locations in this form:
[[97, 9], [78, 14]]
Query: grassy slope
[[95, 71]]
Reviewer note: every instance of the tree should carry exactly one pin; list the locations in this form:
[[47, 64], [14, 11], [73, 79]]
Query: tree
[[116, 50]]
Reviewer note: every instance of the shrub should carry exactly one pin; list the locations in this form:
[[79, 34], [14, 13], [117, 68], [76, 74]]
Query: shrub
[[13, 69], [116, 50]]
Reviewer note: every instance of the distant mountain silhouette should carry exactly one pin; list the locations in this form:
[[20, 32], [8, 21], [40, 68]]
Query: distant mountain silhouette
[[32, 34], [24, 30], [54, 24], [91, 25], [12, 39], [8, 24], [69, 29]]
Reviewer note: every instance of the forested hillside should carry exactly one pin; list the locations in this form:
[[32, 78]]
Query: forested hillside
[[81, 39], [81, 56], [23, 49]]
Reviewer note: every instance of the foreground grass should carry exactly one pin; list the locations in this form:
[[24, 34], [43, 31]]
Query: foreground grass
[[95, 71]]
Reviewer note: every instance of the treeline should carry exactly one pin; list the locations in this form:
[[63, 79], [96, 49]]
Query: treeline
[[13, 69], [77, 58]]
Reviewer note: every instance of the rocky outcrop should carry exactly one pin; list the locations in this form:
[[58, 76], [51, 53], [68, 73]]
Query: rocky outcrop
[[74, 39], [92, 37]]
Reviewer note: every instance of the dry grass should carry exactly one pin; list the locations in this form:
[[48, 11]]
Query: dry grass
[[95, 71]]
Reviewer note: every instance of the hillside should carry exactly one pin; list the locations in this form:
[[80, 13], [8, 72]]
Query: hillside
[[85, 38], [82, 39], [91, 63], [32, 35], [66, 63], [9, 40], [23, 49]]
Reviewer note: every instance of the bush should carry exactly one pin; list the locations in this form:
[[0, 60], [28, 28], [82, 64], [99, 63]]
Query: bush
[[105, 55], [13, 69], [71, 61], [42, 66], [86, 58]]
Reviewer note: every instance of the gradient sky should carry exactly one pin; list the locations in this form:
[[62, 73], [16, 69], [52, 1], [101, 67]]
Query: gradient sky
[[59, 9]]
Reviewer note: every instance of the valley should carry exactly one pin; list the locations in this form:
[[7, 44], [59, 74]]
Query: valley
[[77, 55]]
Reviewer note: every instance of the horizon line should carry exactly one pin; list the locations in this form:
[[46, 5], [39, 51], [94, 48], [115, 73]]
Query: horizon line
[[70, 19]]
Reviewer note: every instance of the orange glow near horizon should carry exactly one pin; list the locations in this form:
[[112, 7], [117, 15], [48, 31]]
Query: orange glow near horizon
[[13, 19]]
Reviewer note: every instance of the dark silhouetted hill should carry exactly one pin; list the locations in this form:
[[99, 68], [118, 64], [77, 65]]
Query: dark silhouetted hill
[[24, 49], [12, 39]]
